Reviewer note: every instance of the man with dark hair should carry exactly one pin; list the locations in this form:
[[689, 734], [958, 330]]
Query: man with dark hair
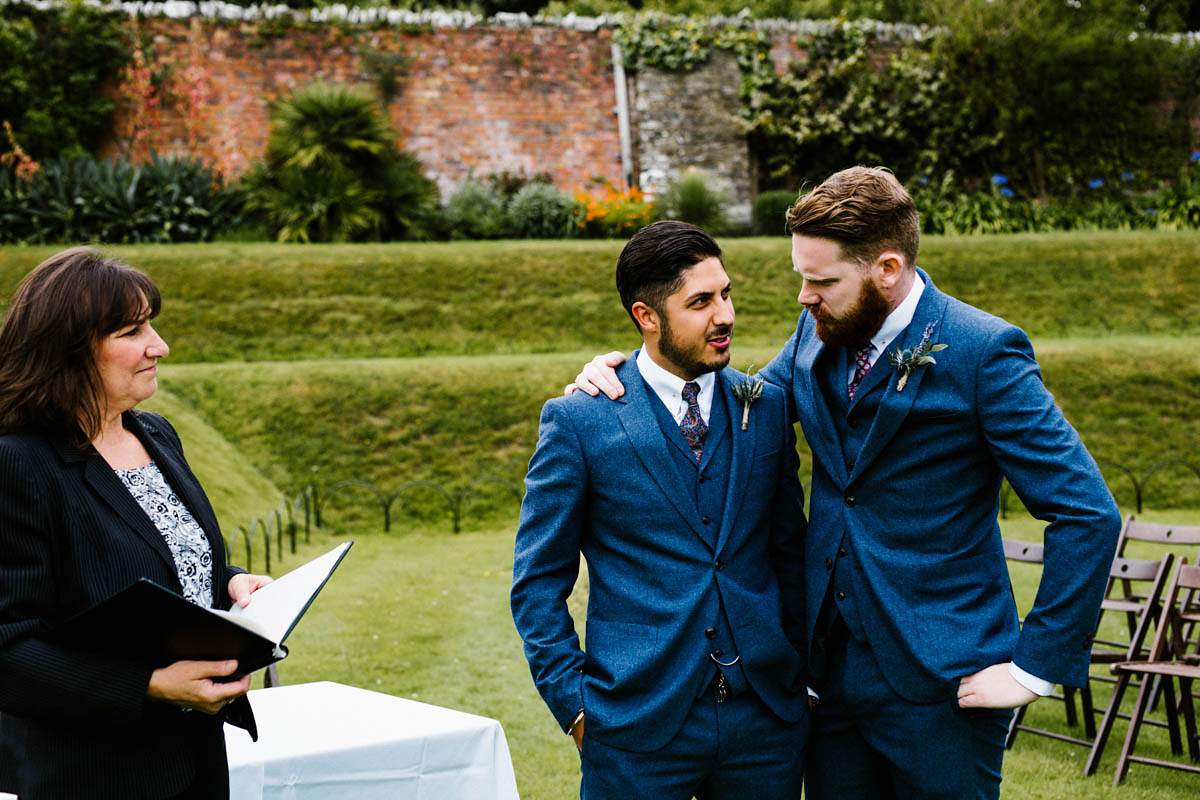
[[915, 648], [684, 501]]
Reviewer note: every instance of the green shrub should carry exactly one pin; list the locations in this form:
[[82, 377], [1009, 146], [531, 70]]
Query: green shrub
[[768, 216], [691, 198], [114, 201], [475, 210], [507, 183], [332, 173], [1177, 204], [54, 65], [540, 211]]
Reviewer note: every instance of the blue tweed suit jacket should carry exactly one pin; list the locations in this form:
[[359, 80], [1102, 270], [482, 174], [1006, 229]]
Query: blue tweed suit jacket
[[917, 505], [602, 483]]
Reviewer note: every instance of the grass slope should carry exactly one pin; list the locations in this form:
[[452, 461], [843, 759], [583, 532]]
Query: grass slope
[[274, 302], [453, 419], [237, 489]]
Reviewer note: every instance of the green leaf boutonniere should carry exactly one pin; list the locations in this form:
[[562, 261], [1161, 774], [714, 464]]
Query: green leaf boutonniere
[[747, 392], [906, 361]]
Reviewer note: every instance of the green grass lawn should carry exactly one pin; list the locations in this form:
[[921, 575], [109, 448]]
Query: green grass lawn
[[392, 363], [424, 614]]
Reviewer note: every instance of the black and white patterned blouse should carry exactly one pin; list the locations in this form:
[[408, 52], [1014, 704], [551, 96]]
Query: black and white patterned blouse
[[189, 546]]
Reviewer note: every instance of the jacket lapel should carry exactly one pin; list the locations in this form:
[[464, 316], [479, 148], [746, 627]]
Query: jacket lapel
[[819, 429], [104, 482], [640, 423], [174, 469], [744, 446], [895, 405]]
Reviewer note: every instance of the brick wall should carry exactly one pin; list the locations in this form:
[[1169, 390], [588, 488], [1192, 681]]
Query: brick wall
[[471, 99]]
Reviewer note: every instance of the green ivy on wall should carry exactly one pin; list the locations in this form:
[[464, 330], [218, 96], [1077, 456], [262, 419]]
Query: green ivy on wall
[[685, 43]]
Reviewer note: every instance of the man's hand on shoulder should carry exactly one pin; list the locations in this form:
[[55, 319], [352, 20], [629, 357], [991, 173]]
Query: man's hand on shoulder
[[993, 687], [600, 375]]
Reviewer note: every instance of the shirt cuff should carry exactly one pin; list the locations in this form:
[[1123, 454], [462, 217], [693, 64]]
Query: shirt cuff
[[1033, 683]]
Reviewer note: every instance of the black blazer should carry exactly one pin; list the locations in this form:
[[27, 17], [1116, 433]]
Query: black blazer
[[74, 724]]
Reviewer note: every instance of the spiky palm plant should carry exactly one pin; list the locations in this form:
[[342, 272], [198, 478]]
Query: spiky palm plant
[[332, 171]]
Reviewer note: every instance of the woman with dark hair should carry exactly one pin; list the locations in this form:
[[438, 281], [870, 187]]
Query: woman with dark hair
[[94, 496]]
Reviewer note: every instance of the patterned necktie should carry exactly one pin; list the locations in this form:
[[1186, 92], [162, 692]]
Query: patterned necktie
[[862, 365], [693, 425]]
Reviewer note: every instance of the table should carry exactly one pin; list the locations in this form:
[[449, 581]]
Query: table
[[325, 740]]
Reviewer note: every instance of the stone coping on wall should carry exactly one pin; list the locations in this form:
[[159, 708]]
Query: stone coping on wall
[[375, 16]]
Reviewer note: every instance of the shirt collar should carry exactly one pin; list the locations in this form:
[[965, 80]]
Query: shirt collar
[[669, 387], [900, 317]]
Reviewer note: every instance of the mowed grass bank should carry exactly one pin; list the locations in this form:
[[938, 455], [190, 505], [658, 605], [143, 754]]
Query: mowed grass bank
[[274, 302], [454, 419]]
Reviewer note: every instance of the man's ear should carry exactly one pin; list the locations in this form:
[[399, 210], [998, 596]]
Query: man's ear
[[645, 316], [887, 269]]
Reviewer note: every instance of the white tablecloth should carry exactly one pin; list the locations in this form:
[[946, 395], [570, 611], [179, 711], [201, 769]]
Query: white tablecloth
[[318, 741]]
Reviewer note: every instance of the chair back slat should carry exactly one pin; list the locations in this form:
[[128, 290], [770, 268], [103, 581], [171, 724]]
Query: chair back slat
[[1025, 552], [1158, 532]]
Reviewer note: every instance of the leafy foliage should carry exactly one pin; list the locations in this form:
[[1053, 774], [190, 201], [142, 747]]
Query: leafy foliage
[[1069, 94], [54, 63], [81, 198], [475, 210], [540, 211], [690, 198], [842, 108], [768, 216], [332, 172]]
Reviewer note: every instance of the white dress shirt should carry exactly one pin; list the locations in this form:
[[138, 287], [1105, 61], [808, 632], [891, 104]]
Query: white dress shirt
[[669, 387]]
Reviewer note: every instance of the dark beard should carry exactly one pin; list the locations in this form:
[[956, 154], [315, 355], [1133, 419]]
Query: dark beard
[[854, 330], [674, 352]]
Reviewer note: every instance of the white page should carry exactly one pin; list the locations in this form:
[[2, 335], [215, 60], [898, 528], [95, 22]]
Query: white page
[[275, 607]]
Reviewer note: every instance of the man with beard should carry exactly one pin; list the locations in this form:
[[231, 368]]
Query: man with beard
[[689, 513], [915, 648]]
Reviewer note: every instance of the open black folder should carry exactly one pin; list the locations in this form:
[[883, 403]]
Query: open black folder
[[149, 623]]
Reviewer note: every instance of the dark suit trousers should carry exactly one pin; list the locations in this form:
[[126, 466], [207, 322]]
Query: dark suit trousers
[[725, 751], [869, 743]]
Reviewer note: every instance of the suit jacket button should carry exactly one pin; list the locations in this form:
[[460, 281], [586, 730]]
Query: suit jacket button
[[710, 633], [841, 552], [841, 595], [717, 565], [718, 652], [704, 519], [850, 501], [829, 563]]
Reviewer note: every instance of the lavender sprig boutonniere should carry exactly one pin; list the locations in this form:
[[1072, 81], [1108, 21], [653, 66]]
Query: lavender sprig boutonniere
[[906, 361], [746, 392]]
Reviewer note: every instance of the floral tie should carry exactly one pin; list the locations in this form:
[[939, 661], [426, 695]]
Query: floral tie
[[693, 425], [862, 365]]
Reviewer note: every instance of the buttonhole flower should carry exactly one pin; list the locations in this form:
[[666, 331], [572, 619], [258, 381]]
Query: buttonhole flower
[[747, 392], [906, 361]]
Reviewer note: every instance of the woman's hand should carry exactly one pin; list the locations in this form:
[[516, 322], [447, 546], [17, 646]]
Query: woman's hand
[[190, 684], [242, 585]]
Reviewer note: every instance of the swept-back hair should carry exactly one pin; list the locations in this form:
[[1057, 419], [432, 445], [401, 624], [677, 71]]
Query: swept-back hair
[[56, 320], [865, 210], [652, 264]]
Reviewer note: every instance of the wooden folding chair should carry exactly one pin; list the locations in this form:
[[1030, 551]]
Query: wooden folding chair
[[1150, 577], [1173, 657], [1152, 537]]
